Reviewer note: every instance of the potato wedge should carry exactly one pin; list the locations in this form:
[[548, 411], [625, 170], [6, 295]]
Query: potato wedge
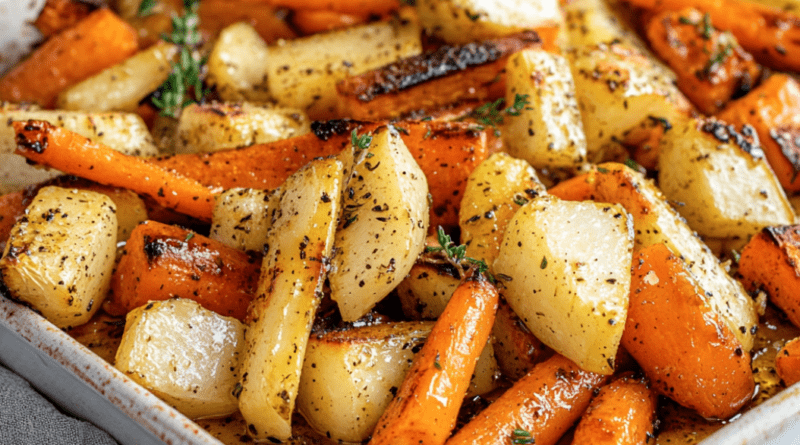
[[122, 86], [591, 22], [293, 271], [213, 127], [495, 191], [719, 176], [60, 255], [548, 132], [303, 72], [568, 265], [463, 21], [242, 217], [383, 225], [186, 355], [617, 87], [238, 64]]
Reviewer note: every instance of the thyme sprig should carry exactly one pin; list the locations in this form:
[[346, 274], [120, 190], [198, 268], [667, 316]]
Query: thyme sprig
[[520, 436], [186, 75], [455, 255], [492, 114], [360, 142], [146, 8]]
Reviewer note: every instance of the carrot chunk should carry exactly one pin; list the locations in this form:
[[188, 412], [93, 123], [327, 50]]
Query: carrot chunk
[[771, 260], [622, 413], [162, 261], [427, 403], [95, 43], [53, 146], [58, 15], [683, 346], [310, 21], [787, 363], [540, 407], [710, 65], [773, 109]]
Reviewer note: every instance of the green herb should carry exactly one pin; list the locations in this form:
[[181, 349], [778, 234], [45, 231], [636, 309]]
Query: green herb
[[189, 236], [634, 165], [736, 256], [360, 142], [662, 121], [491, 114], [520, 436], [456, 255], [436, 363], [707, 30], [718, 58], [237, 390], [602, 170], [686, 20], [520, 201], [471, 16], [543, 265], [146, 8], [173, 95]]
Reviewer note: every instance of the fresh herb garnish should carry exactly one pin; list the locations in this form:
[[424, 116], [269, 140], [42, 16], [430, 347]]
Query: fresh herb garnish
[[717, 59], [456, 255], [543, 264], [360, 142], [491, 114], [436, 363], [189, 236], [520, 436], [173, 95], [146, 8], [707, 30]]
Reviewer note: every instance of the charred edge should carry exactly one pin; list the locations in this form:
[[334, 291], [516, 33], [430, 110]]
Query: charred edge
[[446, 60], [153, 249], [747, 139], [782, 234], [38, 144], [325, 130], [788, 139]]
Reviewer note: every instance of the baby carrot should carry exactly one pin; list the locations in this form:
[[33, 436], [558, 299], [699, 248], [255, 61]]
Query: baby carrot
[[310, 21], [539, 408], [787, 363], [622, 413], [97, 42], [427, 403], [55, 147]]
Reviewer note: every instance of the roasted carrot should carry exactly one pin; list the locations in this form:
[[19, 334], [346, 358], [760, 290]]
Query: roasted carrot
[[446, 151], [770, 34], [622, 413], [773, 109], [643, 141], [47, 144], [517, 350], [539, 408], [787, 363], [771, 260], [97, 42], [310, 21], [710, 65], [686, 350], [268, 22], [162, 261], [358, 7], [474, 71], [58, 15], [425, 408]]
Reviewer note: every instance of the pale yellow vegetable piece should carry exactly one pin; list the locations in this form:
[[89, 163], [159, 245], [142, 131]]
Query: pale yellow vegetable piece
[[303, 72], [122, 86], [463, 21], [242, 217], [293, 271], [591, 22], [725, 189], [238, 64], [383, 225], [213, 127], [426, 289], [547, 132], [185, 354], [568, 268], [60, 255]]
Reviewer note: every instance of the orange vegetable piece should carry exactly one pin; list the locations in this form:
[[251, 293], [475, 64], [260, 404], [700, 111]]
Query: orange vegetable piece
[[58, 15], [545, 403], [46, 144], [162, 261], [310, 21], [97, 42], [683, 346], [770, 34], [475, 71], [787, 362], [622, 413], [268, 23], [711, 67], [427, 403], [773, 109], [771, 260], [516, 349]]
